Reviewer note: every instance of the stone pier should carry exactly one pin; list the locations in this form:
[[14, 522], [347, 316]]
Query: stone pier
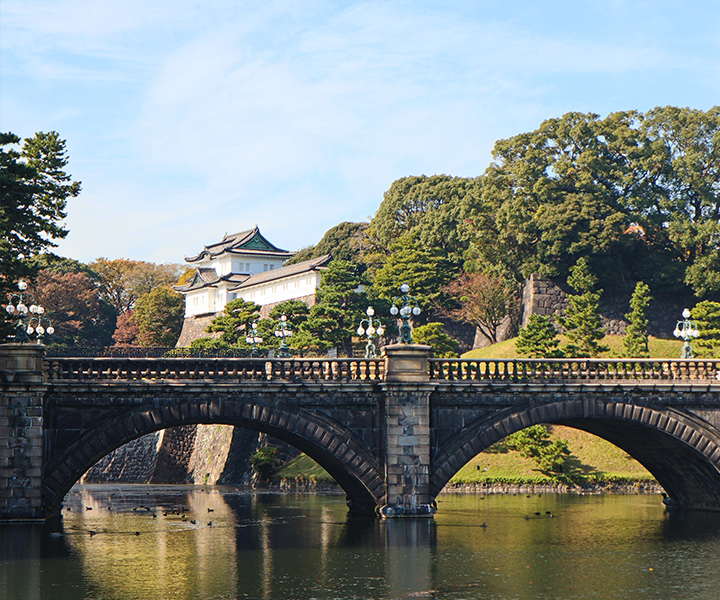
[[21, 431], [407, 432]]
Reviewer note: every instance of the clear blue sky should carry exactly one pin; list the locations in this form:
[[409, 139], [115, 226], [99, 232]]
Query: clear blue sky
[[187, 119]]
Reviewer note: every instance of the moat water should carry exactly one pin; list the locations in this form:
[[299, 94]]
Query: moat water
[[185, 543]]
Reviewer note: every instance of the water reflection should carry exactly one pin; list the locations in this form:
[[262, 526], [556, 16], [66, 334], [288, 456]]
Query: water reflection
[[160, 542]]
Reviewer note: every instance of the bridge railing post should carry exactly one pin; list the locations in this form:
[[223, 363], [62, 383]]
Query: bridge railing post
[[407, 431], [22, 387]]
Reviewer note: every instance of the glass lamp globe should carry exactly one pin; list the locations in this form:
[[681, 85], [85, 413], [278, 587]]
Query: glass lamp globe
[[22, 286], [394, 310], [686, 313], [416, 311], [10, 309], [370, 311], [51, 330], [404, 288], [40, 330], [371, 330], [22, 309], [360, 331], [34, 309], [380, 330]]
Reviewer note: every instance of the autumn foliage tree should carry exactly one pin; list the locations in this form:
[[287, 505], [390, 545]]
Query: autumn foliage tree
[[483, 300]]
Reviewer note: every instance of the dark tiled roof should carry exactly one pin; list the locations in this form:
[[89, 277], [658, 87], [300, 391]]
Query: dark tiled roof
[[208, 277], [282, 272], [235, 242]]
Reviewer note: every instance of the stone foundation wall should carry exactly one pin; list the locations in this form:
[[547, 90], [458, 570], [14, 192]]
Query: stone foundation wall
[[547, 297]]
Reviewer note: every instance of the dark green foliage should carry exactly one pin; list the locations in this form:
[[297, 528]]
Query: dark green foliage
[[636, 333], [707, 317], [235, 321], [264, 462], [432, 334], [534, 442], [581, 321], [159, 317], [538, 339], [640, 194], [34, 191], [343, 242], [425, 269], [340, 304]]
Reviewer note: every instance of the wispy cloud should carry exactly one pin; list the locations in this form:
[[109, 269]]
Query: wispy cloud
[[193, 117]]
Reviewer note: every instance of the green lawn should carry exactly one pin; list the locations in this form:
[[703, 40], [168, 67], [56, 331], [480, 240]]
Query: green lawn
[[659, 348], [592, 456]]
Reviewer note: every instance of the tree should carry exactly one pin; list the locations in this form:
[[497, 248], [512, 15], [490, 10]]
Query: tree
[[432, 334], [538, 339], [234, 322], [73, 307], [264, 462], [127, 330], [341, 302], [425, 210], [484, 301], [123, 281], [344, 242], [424, 269], [534, 442], [159, 317], [636, 333], [581, 321], [34, 189], [687, 211], [707, 317]]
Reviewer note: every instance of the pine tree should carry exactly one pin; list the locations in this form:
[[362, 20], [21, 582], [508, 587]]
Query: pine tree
[[581, 322], [636, 333], [538, 339], [707, 318]]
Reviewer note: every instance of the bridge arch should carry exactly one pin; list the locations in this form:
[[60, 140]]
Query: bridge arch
[[681, 450], [340, 452]]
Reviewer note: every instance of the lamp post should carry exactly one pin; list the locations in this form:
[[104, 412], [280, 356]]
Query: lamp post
[[409, 306], [686, 330], [283, 331], [370, 330], [30, 318], [254, 339]]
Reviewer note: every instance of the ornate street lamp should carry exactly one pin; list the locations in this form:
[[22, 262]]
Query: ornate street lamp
[[283, 331], [254, 339], [370, 330], [30, 318], [409, 307], [686, 330]]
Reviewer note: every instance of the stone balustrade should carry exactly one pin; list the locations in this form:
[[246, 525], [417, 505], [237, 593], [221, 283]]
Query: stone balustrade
[[216, 369], [577, 370]]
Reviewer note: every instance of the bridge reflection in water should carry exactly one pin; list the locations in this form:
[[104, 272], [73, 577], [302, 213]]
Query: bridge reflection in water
[[391, 431], [303, 547]]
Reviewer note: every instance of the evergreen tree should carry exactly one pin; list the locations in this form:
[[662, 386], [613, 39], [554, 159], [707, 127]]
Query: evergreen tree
[[432, 334], [581, 321], [538, 339], [159, 317], [341, 302], [234, 323], [636, 333], [707, 317]]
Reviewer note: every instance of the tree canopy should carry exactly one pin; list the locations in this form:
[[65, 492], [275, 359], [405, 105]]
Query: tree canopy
[[35, 189]]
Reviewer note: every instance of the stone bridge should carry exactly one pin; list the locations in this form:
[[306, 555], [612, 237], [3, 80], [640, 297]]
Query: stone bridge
[[391, 431]]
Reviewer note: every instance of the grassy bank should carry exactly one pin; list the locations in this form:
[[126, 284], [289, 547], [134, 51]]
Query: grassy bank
[[659, 348], [594, 459]]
